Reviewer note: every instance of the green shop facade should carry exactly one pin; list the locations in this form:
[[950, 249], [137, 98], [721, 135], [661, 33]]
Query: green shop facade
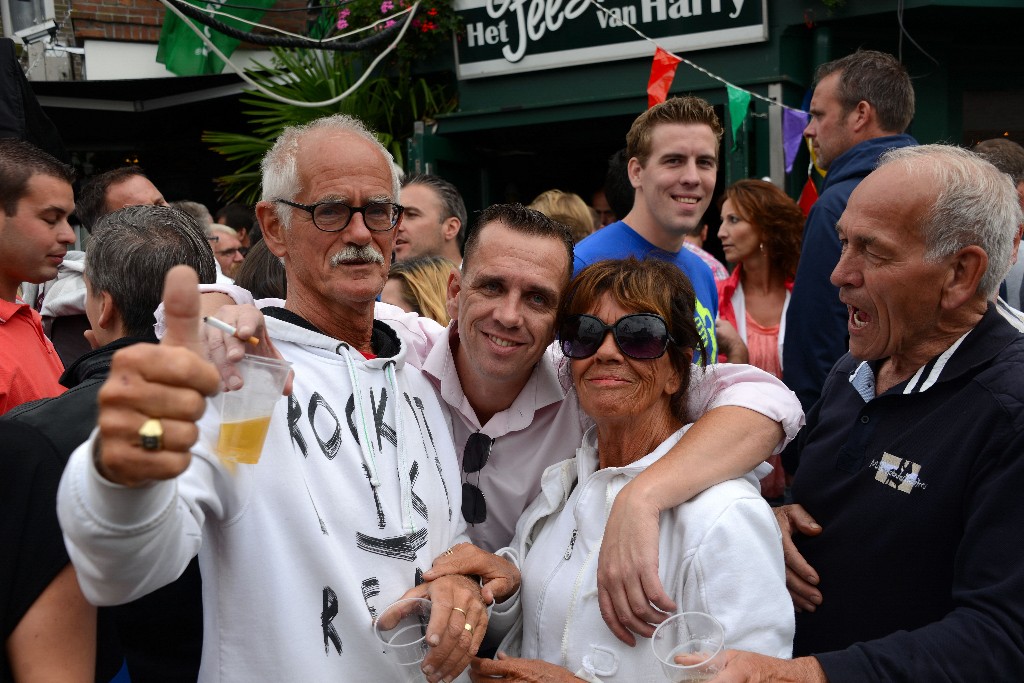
[[548, 88]]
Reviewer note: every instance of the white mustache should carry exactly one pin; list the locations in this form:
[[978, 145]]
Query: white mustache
[[364, 253]]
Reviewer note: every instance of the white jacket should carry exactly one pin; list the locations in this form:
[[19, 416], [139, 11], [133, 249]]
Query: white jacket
[[299, 551], [719, 553]]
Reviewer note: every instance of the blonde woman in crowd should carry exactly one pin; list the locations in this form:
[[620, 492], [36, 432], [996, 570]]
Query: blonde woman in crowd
[[568, 208], [420, 286]]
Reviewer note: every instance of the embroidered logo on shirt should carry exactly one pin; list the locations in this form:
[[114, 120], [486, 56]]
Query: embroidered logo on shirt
[[902, 475]]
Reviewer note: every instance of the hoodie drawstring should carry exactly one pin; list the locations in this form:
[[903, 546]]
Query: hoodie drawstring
[[366, 436], [404, 480]]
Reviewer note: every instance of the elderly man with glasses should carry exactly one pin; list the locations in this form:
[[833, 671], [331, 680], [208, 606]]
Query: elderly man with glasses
[[357, 490]]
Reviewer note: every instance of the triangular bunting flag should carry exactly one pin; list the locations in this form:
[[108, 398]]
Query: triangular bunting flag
[[793, 124], [808, 195], [663, 70], [739, 104]]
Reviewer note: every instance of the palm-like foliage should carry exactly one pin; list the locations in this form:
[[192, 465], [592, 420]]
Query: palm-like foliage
[[388, 104]]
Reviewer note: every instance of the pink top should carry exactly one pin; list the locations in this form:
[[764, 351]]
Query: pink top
[[763, 346]]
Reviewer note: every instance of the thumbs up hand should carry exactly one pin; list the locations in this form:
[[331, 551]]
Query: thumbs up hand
[[149, 405]]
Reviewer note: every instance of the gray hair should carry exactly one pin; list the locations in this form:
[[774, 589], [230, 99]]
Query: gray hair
[[132, 249], [1004, 154], [878, 79], [975, 205], [280, 165], [194, 209], [451, 200], [214, 228]]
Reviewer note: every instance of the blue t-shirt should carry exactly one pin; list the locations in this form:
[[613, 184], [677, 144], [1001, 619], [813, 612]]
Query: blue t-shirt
[[618, 240]]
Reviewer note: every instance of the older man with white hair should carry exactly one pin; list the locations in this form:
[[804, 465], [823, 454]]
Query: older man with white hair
[[356, 492], [910, 470]]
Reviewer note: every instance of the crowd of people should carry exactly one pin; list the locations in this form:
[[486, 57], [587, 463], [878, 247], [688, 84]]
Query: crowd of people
[[560, 423]]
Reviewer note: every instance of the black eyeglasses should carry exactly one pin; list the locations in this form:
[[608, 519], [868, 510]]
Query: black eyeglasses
[[231, 252], [474, 457], [643, 336], [332, 216]]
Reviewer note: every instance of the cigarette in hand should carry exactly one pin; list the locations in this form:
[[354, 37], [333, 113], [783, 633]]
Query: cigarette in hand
[[224, 327]]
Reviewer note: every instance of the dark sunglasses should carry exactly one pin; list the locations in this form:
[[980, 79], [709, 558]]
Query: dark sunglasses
[[643, 336], [474, 457]]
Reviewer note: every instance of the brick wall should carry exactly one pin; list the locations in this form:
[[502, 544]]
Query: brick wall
[[140, 20]]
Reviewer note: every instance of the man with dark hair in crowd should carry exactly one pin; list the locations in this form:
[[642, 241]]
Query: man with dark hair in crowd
[[617, 189], [112, 190], [61, 301], [434, 223], [243, 219], [129, 254], [605, 214], [36, 199], [862, 105]]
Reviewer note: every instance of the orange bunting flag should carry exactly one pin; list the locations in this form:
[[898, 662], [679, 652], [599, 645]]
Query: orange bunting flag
[[808, 196], [663, 70]]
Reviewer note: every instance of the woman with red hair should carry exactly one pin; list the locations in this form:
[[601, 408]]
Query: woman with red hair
[[760, 233]]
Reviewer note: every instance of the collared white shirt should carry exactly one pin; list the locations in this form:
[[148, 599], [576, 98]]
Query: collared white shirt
[[544, 425]]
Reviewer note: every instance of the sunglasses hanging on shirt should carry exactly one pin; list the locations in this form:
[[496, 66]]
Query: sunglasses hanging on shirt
[[474, 457]]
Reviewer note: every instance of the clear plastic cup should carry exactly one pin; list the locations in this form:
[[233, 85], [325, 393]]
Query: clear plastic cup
[[245, 413], [690, 647], [402, 630]]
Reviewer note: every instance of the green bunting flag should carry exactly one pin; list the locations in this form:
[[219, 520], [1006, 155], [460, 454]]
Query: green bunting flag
[[739, 104], [185, 54]]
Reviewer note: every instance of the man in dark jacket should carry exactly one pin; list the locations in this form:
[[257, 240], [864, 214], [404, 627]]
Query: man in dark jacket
[[910, 469], [129, 254], [861, 107]]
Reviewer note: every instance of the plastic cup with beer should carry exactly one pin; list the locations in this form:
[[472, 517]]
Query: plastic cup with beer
[[245, 412], [690, 647]]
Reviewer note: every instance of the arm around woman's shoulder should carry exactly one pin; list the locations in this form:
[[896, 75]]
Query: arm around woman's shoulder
[[744, 386]]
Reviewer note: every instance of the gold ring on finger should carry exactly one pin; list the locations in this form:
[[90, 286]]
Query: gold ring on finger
[[469, 627], [459, 609], [151, 434]]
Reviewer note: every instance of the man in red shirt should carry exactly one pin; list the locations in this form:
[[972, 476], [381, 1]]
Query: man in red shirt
[[35, 200]]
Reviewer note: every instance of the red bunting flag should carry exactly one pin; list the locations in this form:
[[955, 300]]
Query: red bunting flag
[[663, 70], [808, 196]]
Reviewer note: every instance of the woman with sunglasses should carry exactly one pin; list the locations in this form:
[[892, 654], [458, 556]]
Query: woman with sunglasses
[[761, 233], [628, 330]]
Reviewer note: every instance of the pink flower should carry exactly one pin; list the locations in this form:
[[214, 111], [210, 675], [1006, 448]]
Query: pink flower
[[342, 24], [389, 23], [386, 6]]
